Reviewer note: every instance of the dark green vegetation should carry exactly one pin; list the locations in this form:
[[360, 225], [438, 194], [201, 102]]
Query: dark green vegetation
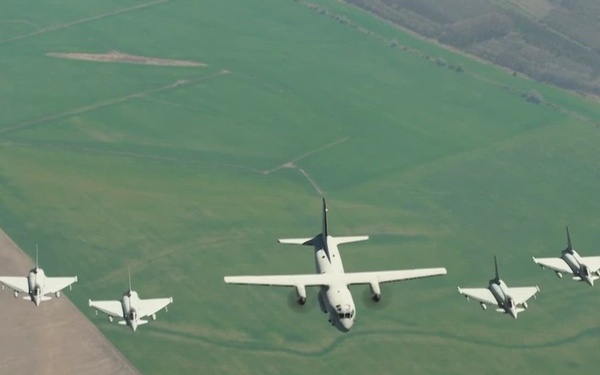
[[108, 165], [553, 41]]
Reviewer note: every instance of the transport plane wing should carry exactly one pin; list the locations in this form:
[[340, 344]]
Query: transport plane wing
[[343, 278]]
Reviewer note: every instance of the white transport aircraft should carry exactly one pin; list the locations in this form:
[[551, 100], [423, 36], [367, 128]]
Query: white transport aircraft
[[334, 296], [131, 308], [586, 269], [508, 300], [36, 284]]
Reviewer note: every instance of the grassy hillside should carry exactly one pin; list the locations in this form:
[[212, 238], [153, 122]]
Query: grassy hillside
[[549, 40], [190, 174]]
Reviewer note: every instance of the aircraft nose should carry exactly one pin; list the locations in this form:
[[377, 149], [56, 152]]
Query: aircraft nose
[[513, 313], [589, 280], [347, 324]]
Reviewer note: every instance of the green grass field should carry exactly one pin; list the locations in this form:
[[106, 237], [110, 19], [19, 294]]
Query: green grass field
[[106, 165]]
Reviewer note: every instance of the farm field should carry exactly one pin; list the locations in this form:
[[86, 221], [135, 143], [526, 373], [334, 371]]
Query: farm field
[[189, 173]]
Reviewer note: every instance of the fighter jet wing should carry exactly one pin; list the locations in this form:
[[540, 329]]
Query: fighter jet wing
[[592, 263], [151, 306], [556, 264], [522, 294], [19, 284], [479, 294], [329, 279], [112, 308], [55, 284]]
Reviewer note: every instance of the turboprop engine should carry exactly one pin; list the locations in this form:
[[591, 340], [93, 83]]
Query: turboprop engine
[[57, 294], [153, 316], [376, 291], [301, 291]]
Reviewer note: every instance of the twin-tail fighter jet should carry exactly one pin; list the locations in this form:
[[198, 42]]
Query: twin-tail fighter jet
[[508, 300], [36, 284], [584, 269], [334, 296], [131, 308]]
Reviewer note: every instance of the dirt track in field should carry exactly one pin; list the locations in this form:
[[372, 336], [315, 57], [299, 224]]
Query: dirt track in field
[[118, 57], [54, 338]]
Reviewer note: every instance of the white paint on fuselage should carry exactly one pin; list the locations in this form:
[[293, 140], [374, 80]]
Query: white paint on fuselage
[[336, 297], [500, 291], [575, 262], [37, 282], [129, 303]]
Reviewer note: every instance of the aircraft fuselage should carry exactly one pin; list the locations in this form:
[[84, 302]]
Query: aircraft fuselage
[[36, 280], [504, 300], [129, 302], [575, 263], [336, 299]]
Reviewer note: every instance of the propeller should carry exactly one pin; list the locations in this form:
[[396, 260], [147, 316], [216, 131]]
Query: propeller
[[384, 299], [293, 302]]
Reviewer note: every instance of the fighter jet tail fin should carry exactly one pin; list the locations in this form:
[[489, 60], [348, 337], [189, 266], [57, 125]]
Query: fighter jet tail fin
[[569, 244], [496, 267], [129, 274]]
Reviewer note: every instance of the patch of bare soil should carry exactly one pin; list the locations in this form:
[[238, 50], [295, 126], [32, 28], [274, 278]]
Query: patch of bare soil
[[54, 338], [115, 56]]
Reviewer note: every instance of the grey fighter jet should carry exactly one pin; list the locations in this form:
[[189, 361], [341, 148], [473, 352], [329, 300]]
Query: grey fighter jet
[[36, 284], [131, 308], [586, 269], [334, 296], [508, 300]]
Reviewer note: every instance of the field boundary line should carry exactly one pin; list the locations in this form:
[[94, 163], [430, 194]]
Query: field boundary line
[[107, 102], [291, 163], [83, 20], [312, 182], [126, 154]]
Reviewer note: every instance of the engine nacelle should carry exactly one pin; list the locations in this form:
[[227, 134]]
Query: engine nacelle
[[153, 316], [110, 319], [525, 305], [483, 305], [376, 292], [16, 294], [301, 291], [57, 294], [559, 275]]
